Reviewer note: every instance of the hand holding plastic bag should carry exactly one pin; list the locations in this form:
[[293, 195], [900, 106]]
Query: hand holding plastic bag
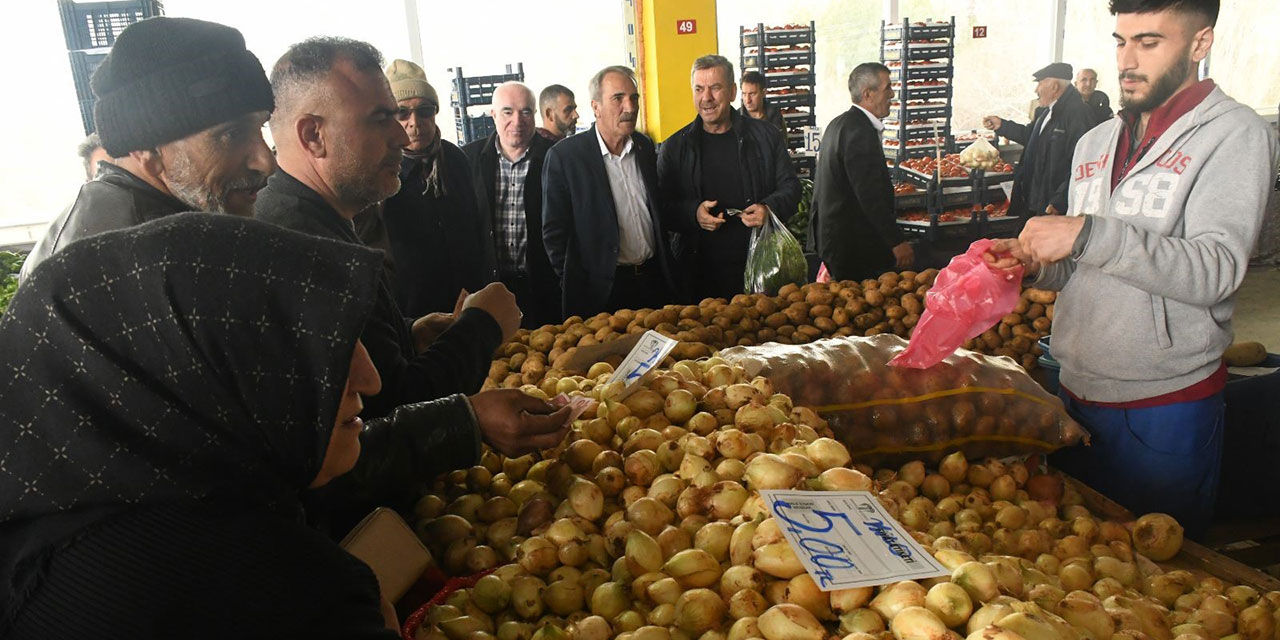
[[968, 297], [774, 258]]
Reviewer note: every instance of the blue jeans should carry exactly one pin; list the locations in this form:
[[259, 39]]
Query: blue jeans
[[1160, 459]]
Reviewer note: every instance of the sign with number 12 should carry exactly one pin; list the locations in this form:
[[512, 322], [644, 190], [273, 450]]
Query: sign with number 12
[[845, 539]]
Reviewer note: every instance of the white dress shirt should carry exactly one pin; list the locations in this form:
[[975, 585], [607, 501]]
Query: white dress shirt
[[875, 122], [1048, 116], [635, 228]]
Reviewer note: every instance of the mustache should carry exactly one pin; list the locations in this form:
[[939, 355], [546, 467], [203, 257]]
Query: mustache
[[251, 181], [627, 117], [1132, 75]]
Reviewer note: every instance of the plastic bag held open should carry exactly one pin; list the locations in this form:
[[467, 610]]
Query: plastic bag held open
[[968, 297]]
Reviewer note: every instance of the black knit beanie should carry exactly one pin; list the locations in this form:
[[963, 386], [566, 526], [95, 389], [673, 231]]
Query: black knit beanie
[[167, 78]]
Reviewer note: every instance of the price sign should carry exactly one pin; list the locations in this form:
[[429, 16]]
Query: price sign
[[686, 27], [646, 355], [845, 539], [979, 32]]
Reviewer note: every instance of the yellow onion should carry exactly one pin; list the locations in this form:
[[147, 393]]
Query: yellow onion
[[692, 465], [699, 611], [746, 603], [754, 418], [491, 594], [526, 596], [609, 599], [861, 621], [994, 633], [537, 555], [1157, 536], [778, 560], [1242, 596], [769, 471], [463, 626], [790, 622], [896, 597], [801, 462], [513, 630], [739, 577], [714, 538], [843, 479], [744, 628], [693, 568], [985, 616], [732, 443], [731, 470], [740, 548], [642, 553], [802, 590], [664, 591], [1084, 610], [662, 615], [918, 623], [679, 406], [1029, 626], [563, 597], [978, 580], [649, 515], [666, 489], [850, 599], [828, 454], [725, 499], [950, 558], [591, 628], [950, 603], [673, 540]]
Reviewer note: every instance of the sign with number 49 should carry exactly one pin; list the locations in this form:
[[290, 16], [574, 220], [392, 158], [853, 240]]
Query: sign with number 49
[[845, 539]]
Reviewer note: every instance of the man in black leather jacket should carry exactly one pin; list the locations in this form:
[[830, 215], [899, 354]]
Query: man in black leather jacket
[[180, 109]]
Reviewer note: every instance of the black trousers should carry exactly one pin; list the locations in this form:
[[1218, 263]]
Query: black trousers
[[638, 287]]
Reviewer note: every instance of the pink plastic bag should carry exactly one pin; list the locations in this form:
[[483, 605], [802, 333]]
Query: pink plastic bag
[[823, 274], [968, 297]]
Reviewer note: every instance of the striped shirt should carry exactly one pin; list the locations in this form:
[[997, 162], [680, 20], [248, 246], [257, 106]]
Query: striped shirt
[[509, 233], [635, 228]]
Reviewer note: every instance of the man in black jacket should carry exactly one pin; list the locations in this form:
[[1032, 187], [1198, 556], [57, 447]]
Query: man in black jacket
[[170, 157], [1099, 103], [436, 241], [754, 103], [723, 162], [600, 224], [339, 148], [853, 228], [1040, 180], [506, 170]]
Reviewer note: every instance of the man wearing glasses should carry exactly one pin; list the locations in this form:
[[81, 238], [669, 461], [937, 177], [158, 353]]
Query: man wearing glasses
[[506, 169], [432, 231]]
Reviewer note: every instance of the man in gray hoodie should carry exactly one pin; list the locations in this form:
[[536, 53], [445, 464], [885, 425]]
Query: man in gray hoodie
[[1165, 204]]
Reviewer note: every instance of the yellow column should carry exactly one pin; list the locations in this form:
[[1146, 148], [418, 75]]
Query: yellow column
[[671, 35]]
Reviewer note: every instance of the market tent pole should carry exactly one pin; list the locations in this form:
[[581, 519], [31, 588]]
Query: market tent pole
[[415, 31], [1057, 30]]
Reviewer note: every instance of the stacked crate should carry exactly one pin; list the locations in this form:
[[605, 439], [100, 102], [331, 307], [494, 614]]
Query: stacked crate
[[785, 55], [920, 57], [470, 95], [90, 28]]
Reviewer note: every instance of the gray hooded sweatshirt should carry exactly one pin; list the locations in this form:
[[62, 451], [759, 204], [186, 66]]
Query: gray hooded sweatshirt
[[1147, 295]]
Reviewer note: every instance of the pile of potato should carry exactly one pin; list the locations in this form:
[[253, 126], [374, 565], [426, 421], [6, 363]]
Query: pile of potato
[[647, 524], [891, 303]]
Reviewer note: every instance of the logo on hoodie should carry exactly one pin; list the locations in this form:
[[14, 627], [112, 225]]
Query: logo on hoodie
[[1148, 194]]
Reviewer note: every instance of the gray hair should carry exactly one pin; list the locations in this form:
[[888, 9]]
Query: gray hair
[[552, 93], [306, 64], [863, 77], [598, 78], [713, 61], [86, 148], [512, 84]]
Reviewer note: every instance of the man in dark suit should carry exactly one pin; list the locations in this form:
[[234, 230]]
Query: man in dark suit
[[506, 169], [600, 223], [853, 228], [1040, 180]]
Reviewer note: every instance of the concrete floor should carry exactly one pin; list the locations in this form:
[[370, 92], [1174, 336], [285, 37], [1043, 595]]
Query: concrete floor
[[1257, 315]]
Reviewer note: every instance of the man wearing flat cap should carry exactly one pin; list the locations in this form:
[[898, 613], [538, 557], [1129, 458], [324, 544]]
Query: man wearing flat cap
[[180, 108], [431, 229], [1040, 180]]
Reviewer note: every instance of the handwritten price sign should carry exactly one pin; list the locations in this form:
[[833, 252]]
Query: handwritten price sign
[[646, 355], [845, 539]]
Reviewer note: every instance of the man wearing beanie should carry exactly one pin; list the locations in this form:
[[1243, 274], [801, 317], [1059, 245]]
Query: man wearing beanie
[[436, 240], [180, 107]]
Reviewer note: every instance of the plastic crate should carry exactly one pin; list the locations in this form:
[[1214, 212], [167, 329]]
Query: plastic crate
[[478, 90], [938, 72], [925, 112], [95, 25], [894, 32], [778, 37], [908, 92], [913, 133], [791, 100], [802, 119], [83, 64], [800, 57], [918, 51], [86, 115], [472, 128], [780, 80]]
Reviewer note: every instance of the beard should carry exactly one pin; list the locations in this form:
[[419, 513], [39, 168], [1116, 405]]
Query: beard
[[185, 185], [357, 183], [1161, 90]]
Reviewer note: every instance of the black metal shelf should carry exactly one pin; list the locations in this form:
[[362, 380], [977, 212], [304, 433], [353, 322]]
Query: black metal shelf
[[895, 41], [477, 91], [755, 56]]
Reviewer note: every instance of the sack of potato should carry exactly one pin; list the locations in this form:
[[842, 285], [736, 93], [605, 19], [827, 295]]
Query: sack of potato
[[983, 406]]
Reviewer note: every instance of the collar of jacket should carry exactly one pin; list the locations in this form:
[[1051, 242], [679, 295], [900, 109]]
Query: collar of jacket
[[120, 177], [736, 127], [285, 184]]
